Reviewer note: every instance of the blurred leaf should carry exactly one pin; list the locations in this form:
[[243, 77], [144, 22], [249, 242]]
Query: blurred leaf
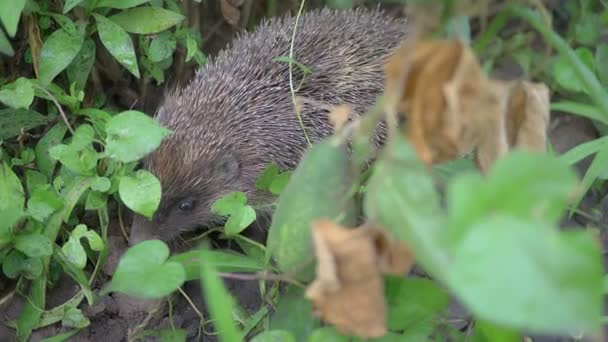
[[581, 109], [35, 180], [324, 169], [413, 303], [144, 272], [18, 94], [57, 52], [141, 192], [10, 13], [74, 319], [523, 184], [219, 302], [401, 197], [80, 68], [274, 336], [488, 332], [566, 76], [101, 184], [43, 203], [12, 199], [12, 121], [294, 313], [560, 275], [587, 30], [146, 20], [327, 334], [33, 245], [53, 137], [120, 4], [17, 263], [601, 61], [69, 4], [118, 42], [223, 261], [95, 201], [173, 335], [132, 135]]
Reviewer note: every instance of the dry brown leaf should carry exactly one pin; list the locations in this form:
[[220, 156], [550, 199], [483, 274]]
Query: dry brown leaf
[[528, 115], [230, 11], [34, 41], [348, 290], [452, 108], [339, 116]]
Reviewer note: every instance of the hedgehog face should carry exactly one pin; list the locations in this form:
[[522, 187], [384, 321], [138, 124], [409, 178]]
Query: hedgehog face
[[186, 207]]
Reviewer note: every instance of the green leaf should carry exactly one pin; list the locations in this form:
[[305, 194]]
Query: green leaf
[[582, 151], [413, 303], [35, 180], [162, 47], [13, 121], [239, 220], [10, 13], [140, 193], [191, 47], [294, 313], [327, 334], [17, 263], [43, 203], [488, 332], [18, 94], [267, 176], [223, 261], [95, 201], [118, 42], [79, 155], [34, 245], [230, 203], [69, 4], [522, 184], [120, 4], [401, 197], [53, 137], [275, 336], [74, 319], [144, 272], [173, 335], [587, 30], [580, 109], [101, 184], [566, 76], [78, 71], [219, 302], [601, 61], [146, 20], [132, 135], [57, 52], [12, 199], [73, 249], [324, 169], [560, 276]]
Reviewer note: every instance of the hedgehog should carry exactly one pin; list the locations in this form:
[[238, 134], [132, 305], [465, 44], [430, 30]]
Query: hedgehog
[[237, 114]]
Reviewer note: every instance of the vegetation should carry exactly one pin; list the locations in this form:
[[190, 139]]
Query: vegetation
[[493, 241]]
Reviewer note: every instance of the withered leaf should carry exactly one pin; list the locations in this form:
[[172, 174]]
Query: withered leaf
[[348, 290], [452, 108]]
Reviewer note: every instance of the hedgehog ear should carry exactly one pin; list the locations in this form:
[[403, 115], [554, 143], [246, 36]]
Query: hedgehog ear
[[229, 167]]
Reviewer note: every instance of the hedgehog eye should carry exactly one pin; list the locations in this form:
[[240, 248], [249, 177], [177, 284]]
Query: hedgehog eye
[[185, 206]]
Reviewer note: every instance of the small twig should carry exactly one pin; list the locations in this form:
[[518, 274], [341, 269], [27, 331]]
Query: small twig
[[291, 87], [63, 116], [122, 224], [261, 276], [189, 300]]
